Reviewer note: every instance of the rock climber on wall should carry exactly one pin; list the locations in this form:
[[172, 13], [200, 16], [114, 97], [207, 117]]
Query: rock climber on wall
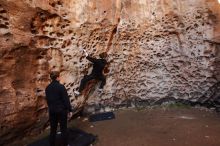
[[97, 72]]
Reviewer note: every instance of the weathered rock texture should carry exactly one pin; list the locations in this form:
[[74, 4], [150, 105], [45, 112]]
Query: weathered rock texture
[[157, 50]]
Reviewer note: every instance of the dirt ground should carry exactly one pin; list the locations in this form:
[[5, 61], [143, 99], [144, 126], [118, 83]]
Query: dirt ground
[[161, 126], [156, 127]]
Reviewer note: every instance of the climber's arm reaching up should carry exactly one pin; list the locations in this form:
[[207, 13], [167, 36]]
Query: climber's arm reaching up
[[93, 60]]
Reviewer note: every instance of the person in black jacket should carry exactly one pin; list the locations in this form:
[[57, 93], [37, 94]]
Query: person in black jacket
[[97, 72], [59, 107]]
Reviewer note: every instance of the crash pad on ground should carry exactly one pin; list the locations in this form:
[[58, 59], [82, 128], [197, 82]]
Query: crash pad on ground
[[102, 116]]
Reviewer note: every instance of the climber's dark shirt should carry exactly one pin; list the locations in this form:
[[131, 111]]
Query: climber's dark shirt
[[98, 65]]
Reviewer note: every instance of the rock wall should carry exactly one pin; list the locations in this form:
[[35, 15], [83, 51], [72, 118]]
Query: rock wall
[[161, 49]]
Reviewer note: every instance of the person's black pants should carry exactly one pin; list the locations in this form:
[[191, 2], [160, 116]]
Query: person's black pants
[[90, 77], [56, 117]]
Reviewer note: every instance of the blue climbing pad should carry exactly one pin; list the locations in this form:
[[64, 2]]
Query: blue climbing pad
[[102, 116], [77, 137]]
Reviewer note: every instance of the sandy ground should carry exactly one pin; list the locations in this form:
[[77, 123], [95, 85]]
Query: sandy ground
[[154, 127], [157, 127]]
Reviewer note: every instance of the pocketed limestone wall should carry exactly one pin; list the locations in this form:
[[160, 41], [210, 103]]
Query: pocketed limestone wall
[[158, 51]]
